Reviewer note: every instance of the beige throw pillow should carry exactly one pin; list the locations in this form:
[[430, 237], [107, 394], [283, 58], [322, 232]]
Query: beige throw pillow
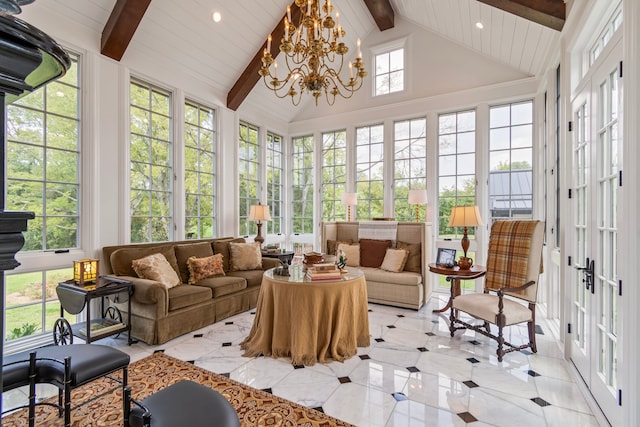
[[245, 256], [394, 260], [352, 252], [202, 268], [156, 267]]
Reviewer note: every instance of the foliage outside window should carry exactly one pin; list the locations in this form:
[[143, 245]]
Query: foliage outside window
[[275, 186], [199, 173], [42, 172], [302, 185], [151, 174], [456, 167], [510, 160], [370, 171], [389, 69], [334, 175], [410, 164], [249, 175]]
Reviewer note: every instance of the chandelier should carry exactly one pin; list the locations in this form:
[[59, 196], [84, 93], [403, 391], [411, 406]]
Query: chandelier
[[314, 56]]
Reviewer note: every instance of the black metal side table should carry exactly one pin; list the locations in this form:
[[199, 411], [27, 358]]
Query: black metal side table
[[282, 256], [73, 299]]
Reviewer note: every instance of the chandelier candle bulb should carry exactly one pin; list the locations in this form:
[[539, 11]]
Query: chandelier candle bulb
[[359, 51], [289, 13], [269, 43]]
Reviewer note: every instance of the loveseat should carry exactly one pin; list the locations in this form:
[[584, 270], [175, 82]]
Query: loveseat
[[160, 313], [410, 287]]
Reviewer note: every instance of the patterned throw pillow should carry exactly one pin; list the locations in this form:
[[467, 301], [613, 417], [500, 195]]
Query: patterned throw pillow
[[352, 252], [202, 268], [394, 260], [156, 267], [245, 256]]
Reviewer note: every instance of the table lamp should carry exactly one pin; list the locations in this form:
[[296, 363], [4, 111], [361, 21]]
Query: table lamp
[[465, 216], [259, 213], [349, 199], [85, 271], [418, 197]]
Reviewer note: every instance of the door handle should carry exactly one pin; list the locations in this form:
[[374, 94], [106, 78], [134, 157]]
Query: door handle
[[589, 273]]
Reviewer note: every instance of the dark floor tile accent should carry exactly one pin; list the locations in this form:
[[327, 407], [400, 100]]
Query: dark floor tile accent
[[369, 310], [268, 390], [253, 312], [226, 374], [423, 349], [399, 396], [467, 417], [539, 330], [227, 344], [435, 321], [379, 340], [158, 351], [319, 409], [473, 360], [344, 380], [193, 362], [431, 334], [298, 366], [413, 369], [228, 323], [400, 315], [474, 342], [198, 335], [540, 401], [470, 384], [533, 373], [364, 357], [391, 327]]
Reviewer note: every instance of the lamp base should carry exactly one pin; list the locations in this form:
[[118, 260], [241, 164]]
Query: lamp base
[[465, 263], [259, 237]]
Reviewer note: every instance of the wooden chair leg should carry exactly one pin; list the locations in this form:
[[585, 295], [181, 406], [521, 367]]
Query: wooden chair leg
[[532, 329]]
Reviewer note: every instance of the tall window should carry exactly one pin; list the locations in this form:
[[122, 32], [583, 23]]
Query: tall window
[[510, 160], [199, 173], [151, 197], [302, 185], [389, 68], [456, 166], [249, 174], [334, 175], [275, 191], [410, 164], [43, 176], [370, 171]]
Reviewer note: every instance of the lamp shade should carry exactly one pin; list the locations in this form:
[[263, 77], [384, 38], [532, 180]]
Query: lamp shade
[[350, 199], [85, 271], [418, 197], [465, 216], [259, 213]]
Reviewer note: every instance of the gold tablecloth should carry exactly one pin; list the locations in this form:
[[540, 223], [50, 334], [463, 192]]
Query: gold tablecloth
[[309, 321]]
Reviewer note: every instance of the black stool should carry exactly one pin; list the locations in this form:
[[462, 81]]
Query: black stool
[[67, 367], [184, 403]]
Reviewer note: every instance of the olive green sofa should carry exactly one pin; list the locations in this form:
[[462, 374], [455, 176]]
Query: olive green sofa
[[159, 314]]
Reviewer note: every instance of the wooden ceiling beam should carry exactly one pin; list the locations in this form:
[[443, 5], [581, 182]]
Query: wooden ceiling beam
[[550, 13], [382, 13], [121, 26], [250, 76]]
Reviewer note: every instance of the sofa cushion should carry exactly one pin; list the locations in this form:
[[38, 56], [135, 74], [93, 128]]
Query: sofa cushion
[[202, 268], [403, 278], [188, 295], [253, 277], [156, 267], [121, 259], [223, 285], [413, 260], [394, 260], [352, 253], [245, 256], [332, 245], [184, 252], [222, 247], [372, 252]]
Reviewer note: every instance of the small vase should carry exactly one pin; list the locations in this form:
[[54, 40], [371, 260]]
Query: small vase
[[465, 263]]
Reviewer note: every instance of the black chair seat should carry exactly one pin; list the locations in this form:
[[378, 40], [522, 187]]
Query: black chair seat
[[186, 403], [15, 371]]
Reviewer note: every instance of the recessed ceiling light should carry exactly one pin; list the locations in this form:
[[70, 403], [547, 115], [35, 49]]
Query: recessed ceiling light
[[479, 25], [215, 15]]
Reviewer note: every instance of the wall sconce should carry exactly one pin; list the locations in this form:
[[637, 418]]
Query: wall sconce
[[259, 213], [418, 197], [85, 271], [349, 199]]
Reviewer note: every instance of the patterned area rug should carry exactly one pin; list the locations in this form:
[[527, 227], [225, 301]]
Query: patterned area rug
[[254, 407]]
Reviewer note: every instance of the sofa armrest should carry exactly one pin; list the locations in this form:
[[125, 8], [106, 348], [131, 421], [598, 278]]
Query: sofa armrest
[[148, 291], [268, 263]]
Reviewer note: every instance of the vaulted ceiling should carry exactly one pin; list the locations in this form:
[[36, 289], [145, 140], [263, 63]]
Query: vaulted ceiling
[[518, 33]]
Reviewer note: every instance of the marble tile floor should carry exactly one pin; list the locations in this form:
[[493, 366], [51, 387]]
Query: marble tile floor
[[412, 374]]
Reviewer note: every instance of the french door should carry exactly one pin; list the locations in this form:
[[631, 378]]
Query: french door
[[595, 309]]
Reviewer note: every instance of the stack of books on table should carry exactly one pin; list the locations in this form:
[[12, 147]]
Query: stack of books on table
[[323, 271], [102, 326]]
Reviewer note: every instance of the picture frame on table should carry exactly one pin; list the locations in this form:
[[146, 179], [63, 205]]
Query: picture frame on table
[[446, 257]]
